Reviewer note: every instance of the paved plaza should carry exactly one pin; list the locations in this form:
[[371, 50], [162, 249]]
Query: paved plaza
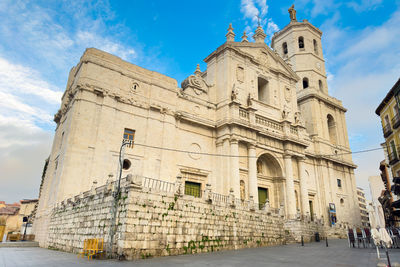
[[313, 254]]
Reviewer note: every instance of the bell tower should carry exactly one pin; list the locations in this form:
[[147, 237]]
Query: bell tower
[[299, 44]]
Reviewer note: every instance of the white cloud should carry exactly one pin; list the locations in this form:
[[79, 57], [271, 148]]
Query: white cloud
[[364, 5], [254, 10], [23, 150], [26, 81], [249, 9], [87, 39], [271, 28], [38, 46]]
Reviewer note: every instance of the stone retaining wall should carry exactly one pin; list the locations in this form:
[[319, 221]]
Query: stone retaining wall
[[151, 223]]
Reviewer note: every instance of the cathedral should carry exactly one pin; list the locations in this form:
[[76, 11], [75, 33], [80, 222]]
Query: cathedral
[[257, 123]]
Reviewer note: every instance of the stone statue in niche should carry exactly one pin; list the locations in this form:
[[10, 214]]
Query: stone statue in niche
[[285, 112], [234, 93], [242, 190], [298, 118], [249, 100], [240, 74]]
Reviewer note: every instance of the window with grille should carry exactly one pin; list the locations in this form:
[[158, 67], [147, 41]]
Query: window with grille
[[193, 189], [129, 135]]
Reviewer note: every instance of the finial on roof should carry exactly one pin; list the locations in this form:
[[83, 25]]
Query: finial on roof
[[230, 36], [260, 35], [244, 37], [197, 71], [292, 13], [258, 20]]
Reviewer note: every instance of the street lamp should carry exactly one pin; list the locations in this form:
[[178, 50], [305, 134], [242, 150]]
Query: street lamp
[[116, 194], [125, 142]]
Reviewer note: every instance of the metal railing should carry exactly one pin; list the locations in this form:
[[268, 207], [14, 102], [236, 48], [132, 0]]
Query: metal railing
[[396, 120], [387, 130], [393, 158], [130, 145], [158, 184]]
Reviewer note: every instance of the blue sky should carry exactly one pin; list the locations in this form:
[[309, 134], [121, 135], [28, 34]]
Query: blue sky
[[41, 40]]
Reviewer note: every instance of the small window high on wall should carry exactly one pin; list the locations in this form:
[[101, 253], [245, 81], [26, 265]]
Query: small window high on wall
[[129, 135], [320, 85], [301, 42], [263, 90], [284, 48], [305, 83]]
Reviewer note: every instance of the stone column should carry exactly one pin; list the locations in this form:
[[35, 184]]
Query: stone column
[[290, 196], [303, 188], [235, 176], [253, 190]]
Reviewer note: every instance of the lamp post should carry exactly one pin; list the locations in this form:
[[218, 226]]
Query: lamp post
[[121, 162], [116, 194]]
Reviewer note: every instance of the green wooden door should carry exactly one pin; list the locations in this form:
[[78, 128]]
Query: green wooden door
[[262, 196]]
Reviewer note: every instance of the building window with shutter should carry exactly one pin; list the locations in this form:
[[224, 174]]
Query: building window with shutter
[[129, 135]]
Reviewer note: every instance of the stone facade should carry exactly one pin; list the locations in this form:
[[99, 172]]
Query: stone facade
[[244, 126]]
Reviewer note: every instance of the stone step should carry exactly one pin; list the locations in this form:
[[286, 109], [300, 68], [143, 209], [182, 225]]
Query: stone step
[[19, 244]]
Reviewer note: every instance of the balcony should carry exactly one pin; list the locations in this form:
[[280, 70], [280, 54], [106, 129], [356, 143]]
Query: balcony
[[393, 159], [387, 130], [396, 121]]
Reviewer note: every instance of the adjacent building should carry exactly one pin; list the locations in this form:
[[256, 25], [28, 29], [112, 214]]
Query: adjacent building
[[12, 217], [258, 122], [362, 203], [388, 110]]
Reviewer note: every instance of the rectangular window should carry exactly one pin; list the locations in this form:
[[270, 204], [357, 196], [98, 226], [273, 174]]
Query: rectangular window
[[193, 189], [339, 183], [263, 90], [129, 135], [262, 196]]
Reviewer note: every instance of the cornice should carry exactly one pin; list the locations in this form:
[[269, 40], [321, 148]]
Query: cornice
[[312, 93]]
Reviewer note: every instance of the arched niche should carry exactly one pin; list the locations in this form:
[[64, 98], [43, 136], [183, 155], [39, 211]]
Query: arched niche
[[331, 128]]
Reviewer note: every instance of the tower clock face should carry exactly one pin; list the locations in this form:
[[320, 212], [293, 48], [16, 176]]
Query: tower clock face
[[318, 65]]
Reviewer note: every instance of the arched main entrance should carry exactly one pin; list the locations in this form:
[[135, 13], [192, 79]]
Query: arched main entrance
[[269, 181]]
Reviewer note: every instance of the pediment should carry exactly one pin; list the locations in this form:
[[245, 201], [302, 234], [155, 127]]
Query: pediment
[[267, 59]]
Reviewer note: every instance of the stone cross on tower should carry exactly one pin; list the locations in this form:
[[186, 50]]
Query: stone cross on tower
[[230, 36], [292, 13]]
